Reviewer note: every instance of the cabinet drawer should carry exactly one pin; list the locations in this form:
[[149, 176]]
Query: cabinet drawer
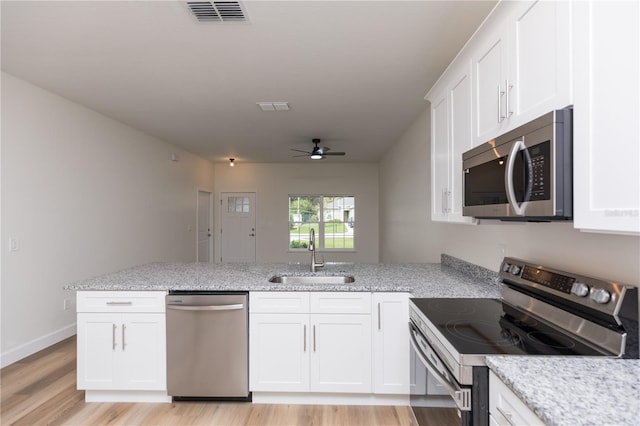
[[279, 302], [340, 303], [121, 301]]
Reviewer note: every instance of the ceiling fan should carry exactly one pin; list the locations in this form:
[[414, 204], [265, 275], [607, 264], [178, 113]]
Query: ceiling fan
[[318, 152]]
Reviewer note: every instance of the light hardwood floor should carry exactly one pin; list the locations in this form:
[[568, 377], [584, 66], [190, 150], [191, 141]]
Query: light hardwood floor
[[41, 389]]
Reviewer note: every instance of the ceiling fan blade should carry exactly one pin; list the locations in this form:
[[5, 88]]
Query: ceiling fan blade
[[299, 150], [303, 155], [334, 153]]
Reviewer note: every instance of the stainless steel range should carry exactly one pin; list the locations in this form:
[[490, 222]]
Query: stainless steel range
[[543, 311]]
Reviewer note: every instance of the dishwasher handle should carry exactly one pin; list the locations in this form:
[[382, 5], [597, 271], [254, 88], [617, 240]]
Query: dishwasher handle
[[233, 307]]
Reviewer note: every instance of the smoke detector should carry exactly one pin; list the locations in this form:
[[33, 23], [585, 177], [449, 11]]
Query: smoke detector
[[217, 11]]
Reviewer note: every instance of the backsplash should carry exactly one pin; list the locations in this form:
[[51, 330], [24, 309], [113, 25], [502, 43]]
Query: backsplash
[[470, 269]]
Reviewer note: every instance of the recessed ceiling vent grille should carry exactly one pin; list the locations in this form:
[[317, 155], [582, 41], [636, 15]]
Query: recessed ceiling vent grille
[[217, 11]]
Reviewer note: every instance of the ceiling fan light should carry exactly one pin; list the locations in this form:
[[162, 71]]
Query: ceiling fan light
[[316, 156]]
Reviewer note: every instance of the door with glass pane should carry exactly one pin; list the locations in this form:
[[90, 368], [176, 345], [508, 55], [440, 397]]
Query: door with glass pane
[[238, 227]]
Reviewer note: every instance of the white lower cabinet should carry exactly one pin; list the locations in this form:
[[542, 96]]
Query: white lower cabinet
[[505, 408], [121, 346], [278, 352], [391, 343], [340, 353], [310, 342]]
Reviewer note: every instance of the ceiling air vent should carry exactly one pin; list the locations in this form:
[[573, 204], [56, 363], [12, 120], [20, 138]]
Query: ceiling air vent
[[217, 11]]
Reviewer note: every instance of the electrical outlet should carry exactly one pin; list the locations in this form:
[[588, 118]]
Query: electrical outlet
[[66, 304], [13, 244]]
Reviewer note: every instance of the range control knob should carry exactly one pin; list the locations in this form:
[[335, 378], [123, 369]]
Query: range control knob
[[600, 295], [515, 269], [505, 267], [580, 289]]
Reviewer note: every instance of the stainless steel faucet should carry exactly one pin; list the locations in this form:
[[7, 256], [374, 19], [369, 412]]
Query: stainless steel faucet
[[312, 249]]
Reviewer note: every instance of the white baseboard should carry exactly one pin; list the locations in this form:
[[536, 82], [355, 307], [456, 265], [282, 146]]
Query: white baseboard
[[126, 396], [29, 348], [328, 398]]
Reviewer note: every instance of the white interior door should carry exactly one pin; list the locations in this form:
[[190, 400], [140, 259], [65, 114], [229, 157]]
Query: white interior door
[[204, 226], [238, 227]]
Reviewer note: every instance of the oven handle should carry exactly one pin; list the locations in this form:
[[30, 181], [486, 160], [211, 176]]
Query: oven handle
[[462, 397]]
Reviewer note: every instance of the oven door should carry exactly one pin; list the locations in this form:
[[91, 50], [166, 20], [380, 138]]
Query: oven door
[[427, 357]]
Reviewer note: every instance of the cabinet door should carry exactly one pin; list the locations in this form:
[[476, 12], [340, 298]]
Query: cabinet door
[[460, 138], [506, 408], [143, 350], [279, 346], [439, 157], [539, 60], [606, 110], [341, 353], [489, 70], [98, 347], [391, 343]]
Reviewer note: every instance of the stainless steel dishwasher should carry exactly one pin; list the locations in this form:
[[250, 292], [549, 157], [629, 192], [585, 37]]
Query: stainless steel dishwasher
[[207, 345]]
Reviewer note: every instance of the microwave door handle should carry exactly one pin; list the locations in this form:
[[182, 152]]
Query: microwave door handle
[[461, 400], [508, 178]]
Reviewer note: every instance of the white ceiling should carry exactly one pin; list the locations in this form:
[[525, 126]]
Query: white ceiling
[[354, 73]]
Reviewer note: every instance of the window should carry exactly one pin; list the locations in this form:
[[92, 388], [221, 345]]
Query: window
[[238, 205], [332, 217]]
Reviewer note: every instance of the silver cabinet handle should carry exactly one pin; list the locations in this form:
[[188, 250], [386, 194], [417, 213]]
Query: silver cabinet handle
[[445, 200], [113, 337], [507, 416], [124, 327], [314, 338], [500, 116], [207, 307], [507, 88], [120, 303], [304, 339], [379, 326]]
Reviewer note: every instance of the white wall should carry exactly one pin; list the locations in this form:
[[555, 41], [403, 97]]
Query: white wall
[[404, 199], [409, 235], [83, 195], [273, 184]]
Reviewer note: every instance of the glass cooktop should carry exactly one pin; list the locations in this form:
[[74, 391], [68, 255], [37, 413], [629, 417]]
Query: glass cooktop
[[491, 327]]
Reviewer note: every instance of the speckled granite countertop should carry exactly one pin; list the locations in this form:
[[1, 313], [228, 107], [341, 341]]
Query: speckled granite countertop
[[451, 278], [565, 391]]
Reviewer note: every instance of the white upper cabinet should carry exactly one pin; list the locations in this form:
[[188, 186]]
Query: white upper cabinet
[[450, 137], [439, 156], [516, 67], [606, 115], [521, 62], [539, 60], [489, 73]]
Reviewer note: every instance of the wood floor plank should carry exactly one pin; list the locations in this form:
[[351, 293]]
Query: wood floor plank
[[41, 390]]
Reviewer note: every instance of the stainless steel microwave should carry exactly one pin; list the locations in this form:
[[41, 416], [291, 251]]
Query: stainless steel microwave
[[523, 175]]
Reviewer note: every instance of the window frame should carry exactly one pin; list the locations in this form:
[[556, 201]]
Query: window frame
[[321, 224]]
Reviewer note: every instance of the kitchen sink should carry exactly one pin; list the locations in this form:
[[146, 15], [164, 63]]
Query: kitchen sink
[[298, 279]]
